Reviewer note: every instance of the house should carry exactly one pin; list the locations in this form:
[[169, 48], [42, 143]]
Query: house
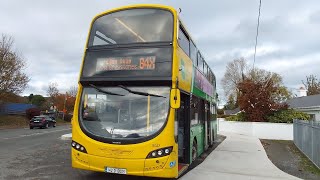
[[232, 112], [307, 104]]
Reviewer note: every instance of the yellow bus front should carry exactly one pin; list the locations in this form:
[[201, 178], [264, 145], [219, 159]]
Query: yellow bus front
[[123, 122]]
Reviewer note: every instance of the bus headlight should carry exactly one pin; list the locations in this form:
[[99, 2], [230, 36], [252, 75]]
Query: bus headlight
[[160, 152], [154, 154], [78, 147], [167, 151]]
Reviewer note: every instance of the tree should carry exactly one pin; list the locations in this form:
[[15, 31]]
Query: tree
[[236, 72], [65, 101], [12, 78], [53, 92], [281, 93], [73, 90], [231, 104], [38, 100], [257, 98], [257, 92], [312, 85], [30, 98]]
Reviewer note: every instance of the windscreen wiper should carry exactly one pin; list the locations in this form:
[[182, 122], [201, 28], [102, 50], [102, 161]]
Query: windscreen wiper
[[103, 91], [139, 93]]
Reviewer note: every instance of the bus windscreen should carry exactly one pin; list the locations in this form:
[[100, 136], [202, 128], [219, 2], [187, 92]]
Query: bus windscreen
[[132, 26]]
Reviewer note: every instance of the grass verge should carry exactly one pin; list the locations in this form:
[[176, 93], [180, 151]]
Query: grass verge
[[16, 121], [12, 121], [305, 163], [287, 157]]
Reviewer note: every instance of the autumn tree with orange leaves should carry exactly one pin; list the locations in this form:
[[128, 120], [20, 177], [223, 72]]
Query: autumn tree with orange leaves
[[63, 101], [256, 99], [256, 92]]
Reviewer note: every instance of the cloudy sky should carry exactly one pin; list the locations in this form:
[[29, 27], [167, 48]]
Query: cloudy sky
[[51, 35]]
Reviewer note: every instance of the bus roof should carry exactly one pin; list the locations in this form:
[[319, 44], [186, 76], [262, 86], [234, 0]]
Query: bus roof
[[170, 8]]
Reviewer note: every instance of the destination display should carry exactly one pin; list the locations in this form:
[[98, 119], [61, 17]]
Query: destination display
[[126, 63]]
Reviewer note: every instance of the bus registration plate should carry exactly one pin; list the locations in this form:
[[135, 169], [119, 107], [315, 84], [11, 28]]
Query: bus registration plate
[[115, 170]]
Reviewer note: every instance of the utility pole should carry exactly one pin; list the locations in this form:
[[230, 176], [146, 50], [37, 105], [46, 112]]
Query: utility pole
[[64, 105]]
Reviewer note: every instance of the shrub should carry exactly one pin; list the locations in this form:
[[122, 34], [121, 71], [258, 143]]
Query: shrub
[[220, 112], [68, 117], [287, 116], [239, 117], [31, 112], [223, 116]]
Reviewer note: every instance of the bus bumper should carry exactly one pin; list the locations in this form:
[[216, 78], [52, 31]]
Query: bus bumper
[[165, 167]]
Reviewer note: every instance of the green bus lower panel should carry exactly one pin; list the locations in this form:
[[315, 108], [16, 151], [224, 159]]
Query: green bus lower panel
[[197, 132], [199, 93]]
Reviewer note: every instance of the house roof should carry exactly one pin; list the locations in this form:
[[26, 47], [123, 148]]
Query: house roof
[[231, 112], [305, 101]]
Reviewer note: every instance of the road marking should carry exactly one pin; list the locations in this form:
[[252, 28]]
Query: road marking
[[66, 136], [34, 134]]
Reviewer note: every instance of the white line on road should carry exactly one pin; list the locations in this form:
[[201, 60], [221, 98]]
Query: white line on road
[[66, 136], [26, 135]]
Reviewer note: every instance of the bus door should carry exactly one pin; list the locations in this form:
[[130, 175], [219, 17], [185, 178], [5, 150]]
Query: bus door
[[209, 129], [206, 125], [183, 130]]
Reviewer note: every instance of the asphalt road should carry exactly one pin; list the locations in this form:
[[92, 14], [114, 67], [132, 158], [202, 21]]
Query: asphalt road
[[41, 154]]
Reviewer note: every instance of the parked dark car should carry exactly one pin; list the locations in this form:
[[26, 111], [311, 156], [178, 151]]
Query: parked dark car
[[42, 122]]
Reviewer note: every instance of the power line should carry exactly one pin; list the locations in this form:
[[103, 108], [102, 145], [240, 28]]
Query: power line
[[257, 34]]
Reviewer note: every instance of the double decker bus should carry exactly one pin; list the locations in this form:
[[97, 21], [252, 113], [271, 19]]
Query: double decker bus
[[146, 99]]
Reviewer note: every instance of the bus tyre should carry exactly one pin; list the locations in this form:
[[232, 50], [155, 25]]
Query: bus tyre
[[194, 151]]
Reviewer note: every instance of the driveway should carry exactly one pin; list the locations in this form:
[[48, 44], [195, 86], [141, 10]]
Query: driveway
[[237, 157]]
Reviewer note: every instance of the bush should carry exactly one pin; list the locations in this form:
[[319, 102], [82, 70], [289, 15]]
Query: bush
[[223, 116], [287, 116], [67, 117], [31, 112], [220, 111], [239, 117]]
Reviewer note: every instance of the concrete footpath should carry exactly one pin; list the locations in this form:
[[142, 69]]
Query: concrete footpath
[[237, 157]]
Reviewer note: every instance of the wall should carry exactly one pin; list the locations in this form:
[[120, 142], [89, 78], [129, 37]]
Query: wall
[[15, 108], [262, 130]]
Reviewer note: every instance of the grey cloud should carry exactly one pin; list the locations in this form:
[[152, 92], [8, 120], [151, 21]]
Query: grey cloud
[[51, 34]]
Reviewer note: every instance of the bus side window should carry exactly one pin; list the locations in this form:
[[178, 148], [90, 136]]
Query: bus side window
[[205, 70], [194, 111], [184, 41], [193, 52], [198, 59], [203, 63], [200, 64]]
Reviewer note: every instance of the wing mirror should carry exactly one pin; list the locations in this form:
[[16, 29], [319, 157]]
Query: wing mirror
[[175, 98]]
